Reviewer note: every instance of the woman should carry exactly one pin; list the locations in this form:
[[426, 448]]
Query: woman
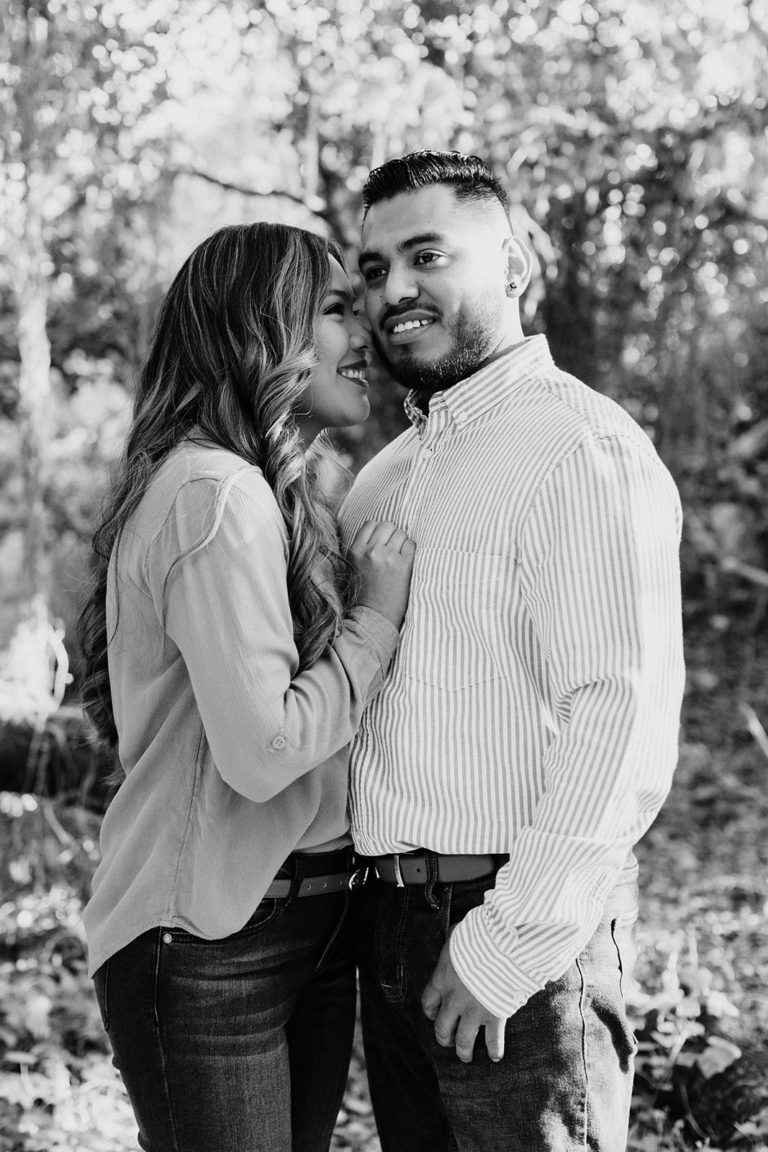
[[227, 658]]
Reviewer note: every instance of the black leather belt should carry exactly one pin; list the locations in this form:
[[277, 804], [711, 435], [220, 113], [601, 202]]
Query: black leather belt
[[316, 885], [411, 868], [316, 874]]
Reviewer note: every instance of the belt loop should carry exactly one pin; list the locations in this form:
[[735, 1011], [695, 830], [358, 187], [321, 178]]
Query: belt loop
[[296, 879], [398, 874], [431, 862], [359, 871]]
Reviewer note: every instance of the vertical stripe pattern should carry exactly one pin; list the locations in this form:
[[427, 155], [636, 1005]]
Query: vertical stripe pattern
[[533, 704]]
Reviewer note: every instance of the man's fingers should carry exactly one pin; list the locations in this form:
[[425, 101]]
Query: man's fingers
[[494, 1038], [445, 1026], [466, 1034], [458, 1016], [430, 1001]]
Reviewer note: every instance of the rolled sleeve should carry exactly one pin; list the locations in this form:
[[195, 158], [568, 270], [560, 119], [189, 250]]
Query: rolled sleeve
[[601, 575]]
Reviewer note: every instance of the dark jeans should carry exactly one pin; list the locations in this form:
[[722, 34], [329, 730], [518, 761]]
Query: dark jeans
[[565, 1081], [241, 1044]]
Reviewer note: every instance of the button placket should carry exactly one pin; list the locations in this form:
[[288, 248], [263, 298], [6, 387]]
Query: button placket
[[417, 486]]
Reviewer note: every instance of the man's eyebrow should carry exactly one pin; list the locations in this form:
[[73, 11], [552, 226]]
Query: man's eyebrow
[[405, 245]]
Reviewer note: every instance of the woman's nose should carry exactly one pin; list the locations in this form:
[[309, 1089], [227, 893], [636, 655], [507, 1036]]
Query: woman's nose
[[359, 334]]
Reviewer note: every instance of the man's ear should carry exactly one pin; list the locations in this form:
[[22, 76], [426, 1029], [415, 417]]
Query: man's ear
[[518, 265]]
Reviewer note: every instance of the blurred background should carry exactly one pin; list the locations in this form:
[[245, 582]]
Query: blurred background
[[633, 137]]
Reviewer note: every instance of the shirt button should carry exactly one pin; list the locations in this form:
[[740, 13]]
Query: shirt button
[[278, 743]]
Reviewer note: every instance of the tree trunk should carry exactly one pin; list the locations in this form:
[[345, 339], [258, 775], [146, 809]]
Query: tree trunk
[[311, 151], [34, 405], [31, 290]]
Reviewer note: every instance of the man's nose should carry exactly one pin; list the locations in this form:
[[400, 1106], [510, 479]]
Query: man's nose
[[401, 285]]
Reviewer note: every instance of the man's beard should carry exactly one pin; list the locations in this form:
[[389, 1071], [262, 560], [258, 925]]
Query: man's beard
[[474, 337]]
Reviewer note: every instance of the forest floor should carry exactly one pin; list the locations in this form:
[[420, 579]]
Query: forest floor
[[699, 999]]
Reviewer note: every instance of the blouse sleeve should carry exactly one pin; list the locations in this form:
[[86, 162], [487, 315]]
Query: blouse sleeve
[[218, 578]]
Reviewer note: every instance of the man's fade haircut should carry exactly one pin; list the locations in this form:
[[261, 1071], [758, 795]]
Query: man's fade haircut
[[468, 176]]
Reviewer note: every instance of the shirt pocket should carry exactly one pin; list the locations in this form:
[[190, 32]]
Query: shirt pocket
[[448, 638]]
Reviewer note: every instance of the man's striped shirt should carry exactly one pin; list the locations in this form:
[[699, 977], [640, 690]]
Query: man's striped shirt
[[533, 704]]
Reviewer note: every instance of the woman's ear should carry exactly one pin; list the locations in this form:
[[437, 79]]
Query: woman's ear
[[518, 266]]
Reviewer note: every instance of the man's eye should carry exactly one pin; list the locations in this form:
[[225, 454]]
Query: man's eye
[[372, 274], [427, 257]]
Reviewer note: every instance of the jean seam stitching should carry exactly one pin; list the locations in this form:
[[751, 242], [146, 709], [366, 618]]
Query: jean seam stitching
[[584, 1053], [166, 1084], [334, 935], [400, 942], [445, 910]]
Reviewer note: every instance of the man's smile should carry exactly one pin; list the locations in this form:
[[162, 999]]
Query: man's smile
[[408, 326]]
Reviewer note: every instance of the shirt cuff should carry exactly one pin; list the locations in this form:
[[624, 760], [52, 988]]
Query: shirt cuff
[[489, 973], [377, 630]]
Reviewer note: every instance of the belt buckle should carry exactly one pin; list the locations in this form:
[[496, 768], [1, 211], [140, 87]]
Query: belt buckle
[[398, 874], [357, 878]]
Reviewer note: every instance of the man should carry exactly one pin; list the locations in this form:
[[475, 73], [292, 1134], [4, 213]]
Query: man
[[526, 736]]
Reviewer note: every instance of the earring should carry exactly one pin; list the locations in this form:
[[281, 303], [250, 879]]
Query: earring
[[511, 287]]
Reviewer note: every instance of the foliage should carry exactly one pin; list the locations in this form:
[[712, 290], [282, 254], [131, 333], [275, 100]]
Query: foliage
[[698, 1000], [34, 672], [699, 1005], [631, 135]]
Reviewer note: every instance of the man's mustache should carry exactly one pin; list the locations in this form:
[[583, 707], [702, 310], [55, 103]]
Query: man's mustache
[[403, 309]]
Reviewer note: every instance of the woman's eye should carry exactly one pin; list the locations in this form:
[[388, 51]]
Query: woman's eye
[[334, 309]]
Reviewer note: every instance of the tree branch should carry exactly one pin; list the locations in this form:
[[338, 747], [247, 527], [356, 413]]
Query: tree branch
[[746, 571], [314, 205]]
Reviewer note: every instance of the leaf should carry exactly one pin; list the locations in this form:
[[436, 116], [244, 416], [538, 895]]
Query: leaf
[[15, 1057], [718, 1055], [35, 1016]]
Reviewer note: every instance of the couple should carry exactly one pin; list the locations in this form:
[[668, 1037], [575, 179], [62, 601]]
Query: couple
[[496, 637]]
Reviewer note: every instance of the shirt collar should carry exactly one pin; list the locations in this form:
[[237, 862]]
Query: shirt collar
[[488, 386]]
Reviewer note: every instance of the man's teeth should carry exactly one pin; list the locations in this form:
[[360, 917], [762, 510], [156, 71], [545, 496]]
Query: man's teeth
[[407, 325]]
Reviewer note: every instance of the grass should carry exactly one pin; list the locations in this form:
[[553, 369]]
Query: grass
[[699, 998]]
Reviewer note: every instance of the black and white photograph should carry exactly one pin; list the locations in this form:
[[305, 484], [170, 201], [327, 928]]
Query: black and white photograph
[[383, 576]]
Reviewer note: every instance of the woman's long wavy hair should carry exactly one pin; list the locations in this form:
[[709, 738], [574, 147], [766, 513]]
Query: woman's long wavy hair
[[229, 363]]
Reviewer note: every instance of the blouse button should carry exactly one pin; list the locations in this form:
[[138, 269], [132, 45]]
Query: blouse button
[[278, 743]]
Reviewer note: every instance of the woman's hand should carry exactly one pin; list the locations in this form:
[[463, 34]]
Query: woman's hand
[[383, 557]]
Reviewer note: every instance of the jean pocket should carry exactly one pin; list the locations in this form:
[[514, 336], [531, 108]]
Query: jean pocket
[[466, 895], [101, 987], [266, 912]]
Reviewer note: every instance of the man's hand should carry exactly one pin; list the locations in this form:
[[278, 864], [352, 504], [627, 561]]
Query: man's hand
[[458, 1015]]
